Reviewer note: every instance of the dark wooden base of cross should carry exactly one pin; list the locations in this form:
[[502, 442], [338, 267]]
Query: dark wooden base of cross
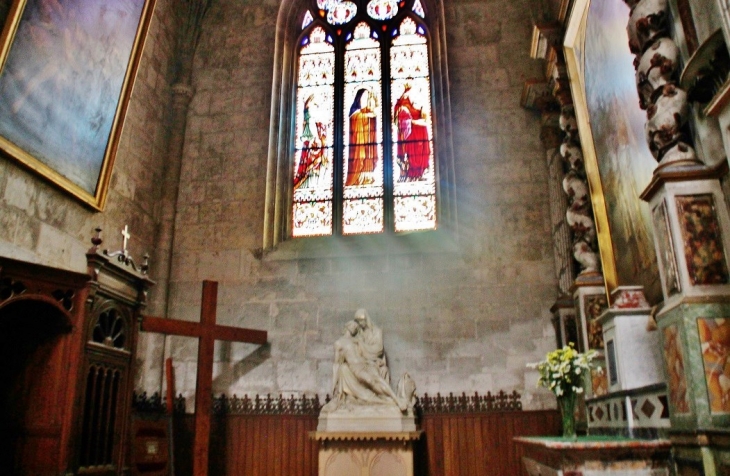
[[207, 332]]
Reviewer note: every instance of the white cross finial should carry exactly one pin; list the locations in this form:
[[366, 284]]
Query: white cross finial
[[125, 238]]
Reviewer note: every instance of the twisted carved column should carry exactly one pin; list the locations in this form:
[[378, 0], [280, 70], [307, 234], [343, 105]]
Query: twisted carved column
[[657, 71], [573, 227], [551, 137], [579, 215]]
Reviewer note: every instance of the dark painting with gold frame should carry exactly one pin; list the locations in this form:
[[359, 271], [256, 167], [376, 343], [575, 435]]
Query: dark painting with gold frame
[[618, 162], [67, 69]]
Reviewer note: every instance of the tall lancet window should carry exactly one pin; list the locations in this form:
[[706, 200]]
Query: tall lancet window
[[313, 155], [363, 156]]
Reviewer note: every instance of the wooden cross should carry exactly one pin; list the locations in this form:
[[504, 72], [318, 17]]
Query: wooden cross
[[207, 332]]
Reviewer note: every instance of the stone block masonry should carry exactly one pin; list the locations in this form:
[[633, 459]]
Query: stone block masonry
[[463, 321]]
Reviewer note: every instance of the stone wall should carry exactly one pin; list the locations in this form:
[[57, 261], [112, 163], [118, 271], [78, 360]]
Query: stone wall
[[40, 223], [466, 321]]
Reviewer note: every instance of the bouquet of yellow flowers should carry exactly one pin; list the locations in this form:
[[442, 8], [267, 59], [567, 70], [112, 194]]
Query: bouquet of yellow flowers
[[564, 370]]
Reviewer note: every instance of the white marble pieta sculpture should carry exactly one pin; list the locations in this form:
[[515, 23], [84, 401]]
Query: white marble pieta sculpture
[[362, 399]]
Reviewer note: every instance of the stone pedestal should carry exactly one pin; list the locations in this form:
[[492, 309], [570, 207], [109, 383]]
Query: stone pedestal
[[690, 221], [695, 346], [635, 404], [366, 453], [594, 456], [633, 359], [590, 302], [636, 413], [376, 418], [690, 233], [691, 226]]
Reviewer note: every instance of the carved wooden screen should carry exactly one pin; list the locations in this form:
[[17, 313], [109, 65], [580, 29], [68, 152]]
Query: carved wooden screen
[[463, 435], [108, 357]]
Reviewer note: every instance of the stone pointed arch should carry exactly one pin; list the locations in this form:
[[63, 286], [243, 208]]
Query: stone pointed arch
[[281, 129]]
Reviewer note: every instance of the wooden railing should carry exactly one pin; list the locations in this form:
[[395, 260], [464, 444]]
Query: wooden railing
[[469, 435]]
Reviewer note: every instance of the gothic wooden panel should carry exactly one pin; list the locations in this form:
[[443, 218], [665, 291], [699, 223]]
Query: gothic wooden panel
[[272, 445], [32, 402], [41, 310], [454, 444], [480, 444]]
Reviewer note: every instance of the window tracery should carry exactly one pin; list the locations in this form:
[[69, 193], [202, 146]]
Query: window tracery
[[363, 159]]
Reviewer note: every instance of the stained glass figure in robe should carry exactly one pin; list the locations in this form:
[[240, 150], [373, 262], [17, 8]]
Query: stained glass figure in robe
[[313, 165], [362, 157], [364, 99], [363, 194], [413, 150], [414, 179], [313, 170]]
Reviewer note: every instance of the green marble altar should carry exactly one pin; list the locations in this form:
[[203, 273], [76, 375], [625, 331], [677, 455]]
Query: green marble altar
[[595, 455]]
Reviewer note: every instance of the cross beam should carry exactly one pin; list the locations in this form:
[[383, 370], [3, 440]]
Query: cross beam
[[207, 332]]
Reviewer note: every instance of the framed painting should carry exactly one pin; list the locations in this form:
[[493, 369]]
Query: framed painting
[[66, 73], [617, 159]]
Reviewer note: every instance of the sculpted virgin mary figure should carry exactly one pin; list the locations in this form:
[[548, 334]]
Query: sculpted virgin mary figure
[[356, 379], [370, 338]]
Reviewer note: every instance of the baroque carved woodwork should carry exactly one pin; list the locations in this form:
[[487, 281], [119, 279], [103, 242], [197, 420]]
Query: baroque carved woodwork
[[109, 343], [117, 294], [305, 405], [41, 310]]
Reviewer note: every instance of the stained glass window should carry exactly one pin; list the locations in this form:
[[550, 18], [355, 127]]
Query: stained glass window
[[363, 135], [313, 153], [382, 9], [418, 9], [308, 19], [341, 12], [414, 182], [364, 159]]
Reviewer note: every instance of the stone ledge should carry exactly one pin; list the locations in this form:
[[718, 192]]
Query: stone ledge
[[385, 419], [592, 443], [387, 244]]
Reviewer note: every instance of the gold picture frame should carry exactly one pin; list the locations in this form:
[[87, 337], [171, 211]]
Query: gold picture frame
[[573, 46], [66, 76], [617, 160]]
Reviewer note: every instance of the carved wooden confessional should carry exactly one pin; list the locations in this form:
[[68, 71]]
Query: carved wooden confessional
[[117, 294], [41, 313], [67, 344]]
